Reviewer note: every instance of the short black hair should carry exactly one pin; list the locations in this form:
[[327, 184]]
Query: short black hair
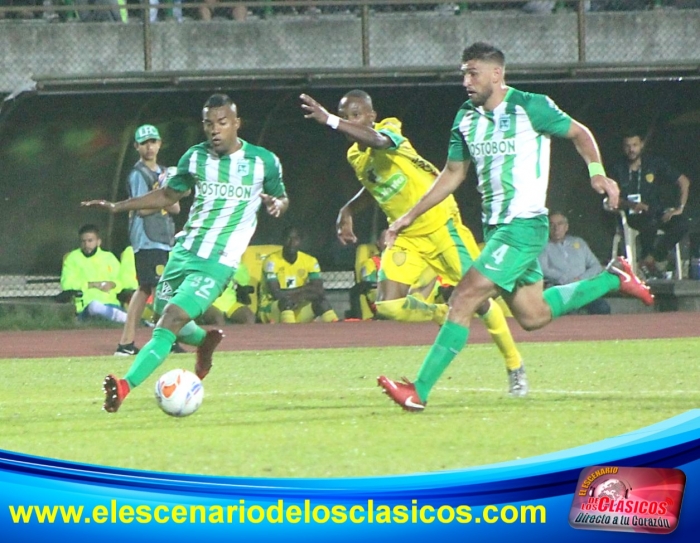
[[631, 132], [89, 228], [484, 51], [289, 229], [359, 94], [219, 100]]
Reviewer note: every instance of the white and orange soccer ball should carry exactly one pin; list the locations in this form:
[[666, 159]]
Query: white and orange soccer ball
[[179, 393]]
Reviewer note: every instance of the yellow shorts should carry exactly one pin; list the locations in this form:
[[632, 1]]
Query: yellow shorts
[[270, 313], [450, 252]]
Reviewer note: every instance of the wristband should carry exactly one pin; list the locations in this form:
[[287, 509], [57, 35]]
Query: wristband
[[333, 121], [595, 168]]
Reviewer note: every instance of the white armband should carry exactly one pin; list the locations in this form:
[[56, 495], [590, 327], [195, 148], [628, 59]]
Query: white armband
[[333, 121]]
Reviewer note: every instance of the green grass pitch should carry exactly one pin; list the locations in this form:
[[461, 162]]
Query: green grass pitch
[[319, 413]]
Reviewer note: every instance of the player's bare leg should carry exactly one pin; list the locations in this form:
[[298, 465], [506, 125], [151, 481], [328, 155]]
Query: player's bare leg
[[395, 303], [529, 307]]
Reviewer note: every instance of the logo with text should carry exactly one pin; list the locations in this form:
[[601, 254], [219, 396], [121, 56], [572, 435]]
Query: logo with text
[[624, 499]]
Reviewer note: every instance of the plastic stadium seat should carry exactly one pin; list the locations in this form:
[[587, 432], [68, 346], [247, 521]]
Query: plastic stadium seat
[[626, 233]]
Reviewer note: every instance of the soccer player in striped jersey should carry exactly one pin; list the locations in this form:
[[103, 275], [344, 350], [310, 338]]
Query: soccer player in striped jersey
[[507, 134], [231, 178], [394, 175]]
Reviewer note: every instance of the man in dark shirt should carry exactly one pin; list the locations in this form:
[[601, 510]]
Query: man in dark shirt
[[644, 186]]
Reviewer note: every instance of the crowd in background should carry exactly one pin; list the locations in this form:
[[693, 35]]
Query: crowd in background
[[172, 10]]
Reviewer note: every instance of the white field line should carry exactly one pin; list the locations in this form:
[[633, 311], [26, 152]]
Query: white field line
[[481, 389], [373, 390]]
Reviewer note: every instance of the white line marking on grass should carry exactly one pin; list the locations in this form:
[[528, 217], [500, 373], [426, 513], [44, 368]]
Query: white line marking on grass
[[322, 391], [472, 389]]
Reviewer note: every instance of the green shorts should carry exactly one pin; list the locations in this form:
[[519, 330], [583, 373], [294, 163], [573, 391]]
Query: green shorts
[[190, 282], [510, 257]]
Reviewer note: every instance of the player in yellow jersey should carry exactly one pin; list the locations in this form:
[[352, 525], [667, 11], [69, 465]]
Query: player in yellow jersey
[[427, 288], [233, 304], [292, 288], [394, 175]]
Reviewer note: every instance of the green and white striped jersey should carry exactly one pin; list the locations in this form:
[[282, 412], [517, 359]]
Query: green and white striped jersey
[[227, 193], [510, 148]]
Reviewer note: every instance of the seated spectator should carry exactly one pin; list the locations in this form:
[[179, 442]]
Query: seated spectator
[[88, 14], [91, 276], [539, 6], [653, 194], [233, 306], [19, 14], [208, 10], [292, 286], [174, 12], [567, 259]]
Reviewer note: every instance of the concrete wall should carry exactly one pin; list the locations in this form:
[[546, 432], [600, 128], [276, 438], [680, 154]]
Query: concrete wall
[[423, 39]]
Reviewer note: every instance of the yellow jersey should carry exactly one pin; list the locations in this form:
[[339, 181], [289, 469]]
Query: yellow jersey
[[397, 177], [296, 275]]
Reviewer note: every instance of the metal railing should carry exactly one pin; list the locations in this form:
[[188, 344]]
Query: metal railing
[[364, 9], [19, 287], [305, 38]]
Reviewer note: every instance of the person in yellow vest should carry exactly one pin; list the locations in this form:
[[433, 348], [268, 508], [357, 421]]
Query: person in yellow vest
[[393, 174], [292, 288], [91, 275]]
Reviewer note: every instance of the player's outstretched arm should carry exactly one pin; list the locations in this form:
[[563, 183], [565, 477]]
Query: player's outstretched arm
[[445, 184], [275, 206], [365, 135], [157, 199], [588, 149], [344, 222]]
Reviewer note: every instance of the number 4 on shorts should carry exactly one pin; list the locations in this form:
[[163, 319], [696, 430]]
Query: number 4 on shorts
[[499, 254]]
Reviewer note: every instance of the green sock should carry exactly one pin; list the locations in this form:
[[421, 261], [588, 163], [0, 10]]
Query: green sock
[[567, 298], [191, 334], [450, 340], [150, 357]]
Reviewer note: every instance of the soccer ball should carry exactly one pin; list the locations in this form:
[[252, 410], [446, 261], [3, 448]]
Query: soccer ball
[[179, 393]]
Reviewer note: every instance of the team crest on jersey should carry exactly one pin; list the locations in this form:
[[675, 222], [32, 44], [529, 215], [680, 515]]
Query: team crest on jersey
[[399, 258], [504, 123], [243, 167], [165, 292]]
